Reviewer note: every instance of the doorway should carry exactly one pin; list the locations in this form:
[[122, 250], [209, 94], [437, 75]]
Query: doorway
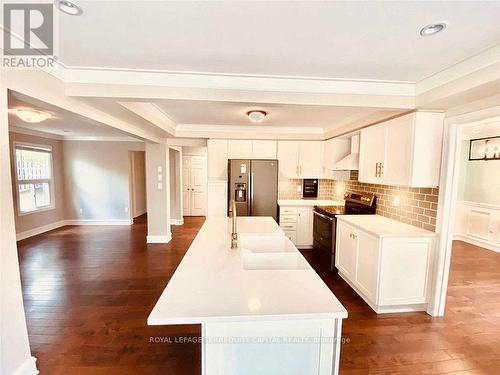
[[194, 181], [137, 183], [453, 220]]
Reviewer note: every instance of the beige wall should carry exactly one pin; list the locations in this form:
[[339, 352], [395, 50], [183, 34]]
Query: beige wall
[[97, 179], [38, 219], [158, 200]]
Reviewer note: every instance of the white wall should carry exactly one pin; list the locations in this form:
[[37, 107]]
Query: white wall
[[479, 180], [14, 344], [97, 181], [158, 198]]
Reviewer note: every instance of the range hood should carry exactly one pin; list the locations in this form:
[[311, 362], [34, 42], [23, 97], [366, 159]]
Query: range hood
[[351, 161]]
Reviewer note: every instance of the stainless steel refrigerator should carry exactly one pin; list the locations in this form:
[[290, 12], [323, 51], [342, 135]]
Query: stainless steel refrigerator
[[253, 184]]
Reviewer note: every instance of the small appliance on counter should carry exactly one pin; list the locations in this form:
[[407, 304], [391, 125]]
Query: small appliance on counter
[[253, 184], [325, 223], [310, 188]]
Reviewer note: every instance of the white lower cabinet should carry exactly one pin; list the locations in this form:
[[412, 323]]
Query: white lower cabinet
[[390, 273], [297, 223]]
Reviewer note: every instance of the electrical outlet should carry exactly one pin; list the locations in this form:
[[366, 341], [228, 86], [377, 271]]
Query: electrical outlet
[[81, 211], [299, 188], [126, 209]]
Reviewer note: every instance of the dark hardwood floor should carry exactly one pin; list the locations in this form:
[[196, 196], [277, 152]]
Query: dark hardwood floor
[[88, 291]]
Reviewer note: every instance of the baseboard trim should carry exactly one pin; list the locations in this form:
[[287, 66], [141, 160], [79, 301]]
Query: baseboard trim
[[176, 221], [477, 242], [44, 228], [100, 222], [58, 224], [27, 368], [159, 239], [140, 213]]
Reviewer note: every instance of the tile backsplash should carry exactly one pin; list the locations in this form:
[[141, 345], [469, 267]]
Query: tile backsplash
[[414, 206]]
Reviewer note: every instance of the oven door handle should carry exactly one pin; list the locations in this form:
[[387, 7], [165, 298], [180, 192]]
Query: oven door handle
[[323, 216]]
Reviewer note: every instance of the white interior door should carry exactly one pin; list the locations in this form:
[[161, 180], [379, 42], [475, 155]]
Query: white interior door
[[194, 185], [198, 185], [186, 185]]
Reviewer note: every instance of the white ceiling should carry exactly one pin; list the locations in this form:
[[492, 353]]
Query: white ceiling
[[368, 40], [63, 124], [196, 112], [482, 130]]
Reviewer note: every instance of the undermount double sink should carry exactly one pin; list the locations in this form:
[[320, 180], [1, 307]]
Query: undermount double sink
[[269, 252]]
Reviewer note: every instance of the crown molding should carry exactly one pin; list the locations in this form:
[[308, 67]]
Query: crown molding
[[35, 133], [248, 132], [459, 70]]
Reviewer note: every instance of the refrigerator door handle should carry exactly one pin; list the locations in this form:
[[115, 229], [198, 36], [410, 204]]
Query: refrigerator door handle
[[251, 193]]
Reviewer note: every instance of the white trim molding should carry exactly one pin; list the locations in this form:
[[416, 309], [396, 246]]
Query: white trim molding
[[478, 224], [39, 230], [159, 239], [177, 221], [58, 224], [27, 368], [100, 222]]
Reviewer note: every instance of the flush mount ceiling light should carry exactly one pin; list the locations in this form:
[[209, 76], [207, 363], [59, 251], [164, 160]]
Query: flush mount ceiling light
[[30, 115], [256, 116], [68, 7], [432, 29]]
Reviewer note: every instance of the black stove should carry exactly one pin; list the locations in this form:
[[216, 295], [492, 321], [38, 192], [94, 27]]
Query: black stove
[[325, 223]]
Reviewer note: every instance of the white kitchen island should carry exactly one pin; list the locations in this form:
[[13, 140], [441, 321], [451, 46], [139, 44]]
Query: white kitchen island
[[262, 308]]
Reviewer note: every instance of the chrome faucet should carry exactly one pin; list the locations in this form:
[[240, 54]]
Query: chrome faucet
[[234, 233]]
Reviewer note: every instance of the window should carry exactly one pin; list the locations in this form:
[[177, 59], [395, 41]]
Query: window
[[34, 177]]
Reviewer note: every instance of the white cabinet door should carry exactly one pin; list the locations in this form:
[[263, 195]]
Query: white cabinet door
[[304, 227], [399, 151], [217, 159], [371, 152], [292, 236], [288, 157], [239, 149], [367, 265], [264, 149], [346, 250], [311, 159]]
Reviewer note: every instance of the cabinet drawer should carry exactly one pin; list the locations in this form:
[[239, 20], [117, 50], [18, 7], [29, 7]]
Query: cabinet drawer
[[288, 219], [288, 210], [288, 226], [292, 236]]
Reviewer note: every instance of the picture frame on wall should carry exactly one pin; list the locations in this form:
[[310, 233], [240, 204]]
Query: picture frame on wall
[[484, 148]]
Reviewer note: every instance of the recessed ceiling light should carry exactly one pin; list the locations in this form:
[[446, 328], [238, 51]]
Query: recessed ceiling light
[[256, 116], [432, 29], [31, 115], [68, 7]]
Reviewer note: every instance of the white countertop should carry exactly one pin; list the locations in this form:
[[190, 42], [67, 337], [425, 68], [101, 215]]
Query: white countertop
[[381, 226], [210, 284], [309, 202]]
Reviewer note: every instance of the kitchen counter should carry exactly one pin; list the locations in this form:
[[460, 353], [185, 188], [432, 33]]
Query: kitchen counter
[[210, 284], [309, 202], [381, 226], [239, 307]]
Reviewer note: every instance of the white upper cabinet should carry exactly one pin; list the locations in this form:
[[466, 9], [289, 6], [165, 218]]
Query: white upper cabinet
[[311, 159], [217, 159], [300, 159], [240, 149], [288, 158], [264, 149], [404, 151]]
